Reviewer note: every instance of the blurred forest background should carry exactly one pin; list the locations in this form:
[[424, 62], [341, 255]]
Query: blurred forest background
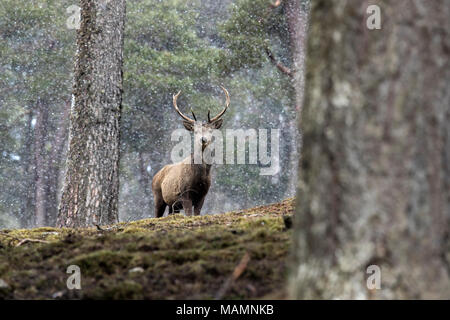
[[170, 45]]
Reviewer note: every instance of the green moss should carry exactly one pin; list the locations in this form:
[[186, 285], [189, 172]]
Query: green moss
[[180, 257], [101, 262], [127, 289]]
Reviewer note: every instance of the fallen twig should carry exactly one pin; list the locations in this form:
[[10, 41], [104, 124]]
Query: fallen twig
[[112, 228], [23, 241], [9, 236], [240, 268]]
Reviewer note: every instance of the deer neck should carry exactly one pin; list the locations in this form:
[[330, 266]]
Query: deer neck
[[203, 167]]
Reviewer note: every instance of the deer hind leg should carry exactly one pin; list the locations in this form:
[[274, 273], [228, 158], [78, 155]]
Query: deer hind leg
[[198, 206], [187, 206]]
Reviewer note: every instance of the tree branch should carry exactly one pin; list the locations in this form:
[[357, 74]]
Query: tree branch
[[275, 4], [278, 64]]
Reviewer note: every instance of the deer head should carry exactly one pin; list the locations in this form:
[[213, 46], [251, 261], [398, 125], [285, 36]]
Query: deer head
[[202, 130]]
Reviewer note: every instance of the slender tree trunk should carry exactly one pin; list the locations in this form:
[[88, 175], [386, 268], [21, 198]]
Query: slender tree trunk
[[55, 164], [297, 12], [27, 215], [374, 174], [90, 192], [144, 181], [40, 138]]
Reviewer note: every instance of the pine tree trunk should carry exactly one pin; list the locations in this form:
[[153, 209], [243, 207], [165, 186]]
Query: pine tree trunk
[[40, 137], [91, 187], [27, 214], [55, 165], [297, 18], [374, 185], [145, 181], [297, 12]]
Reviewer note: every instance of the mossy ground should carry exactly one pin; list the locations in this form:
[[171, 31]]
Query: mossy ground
[[178, 257]]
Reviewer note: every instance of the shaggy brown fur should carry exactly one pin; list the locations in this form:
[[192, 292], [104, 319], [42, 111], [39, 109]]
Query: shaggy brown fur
[[181, 185]]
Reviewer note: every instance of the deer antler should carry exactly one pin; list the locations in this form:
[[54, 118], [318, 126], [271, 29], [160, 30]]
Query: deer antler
[[175, 97], [227, 103], [193, 114]]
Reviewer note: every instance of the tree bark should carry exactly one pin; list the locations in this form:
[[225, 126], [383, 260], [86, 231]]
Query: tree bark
[[297, 12], [374, 173], [55, 164], [27, 214], [90, 192], [145, 181], [40, 137]]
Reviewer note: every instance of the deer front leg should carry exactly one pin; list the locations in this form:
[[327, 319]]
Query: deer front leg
[[187, 206], [198, 206], [160, 207]]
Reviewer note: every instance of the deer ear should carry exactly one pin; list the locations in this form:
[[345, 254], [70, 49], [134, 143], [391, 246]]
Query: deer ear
[[217, 124], [188, 125]]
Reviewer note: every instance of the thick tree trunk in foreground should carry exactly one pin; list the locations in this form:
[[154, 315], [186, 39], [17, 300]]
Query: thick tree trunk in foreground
[[374, 186], [90, 192]]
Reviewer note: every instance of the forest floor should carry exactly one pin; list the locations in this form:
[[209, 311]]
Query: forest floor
[[236, 255]]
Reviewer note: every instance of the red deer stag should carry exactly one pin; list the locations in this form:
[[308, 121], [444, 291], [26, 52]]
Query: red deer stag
[[185, 184]]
